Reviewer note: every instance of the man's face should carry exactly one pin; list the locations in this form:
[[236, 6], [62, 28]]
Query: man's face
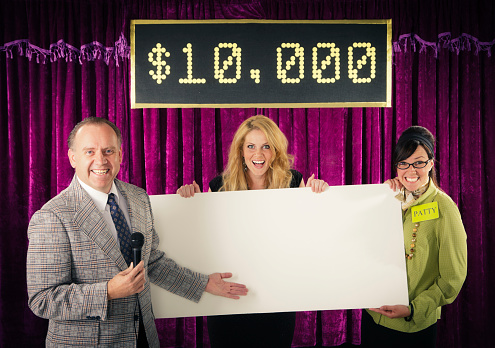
[[96, 156]]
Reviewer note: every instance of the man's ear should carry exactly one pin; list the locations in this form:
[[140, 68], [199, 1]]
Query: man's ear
[[72, 160]]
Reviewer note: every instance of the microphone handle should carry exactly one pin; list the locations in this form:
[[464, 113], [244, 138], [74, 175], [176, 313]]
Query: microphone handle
[[136, 256]]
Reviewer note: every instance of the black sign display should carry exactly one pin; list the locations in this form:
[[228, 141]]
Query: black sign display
[[260, 63]]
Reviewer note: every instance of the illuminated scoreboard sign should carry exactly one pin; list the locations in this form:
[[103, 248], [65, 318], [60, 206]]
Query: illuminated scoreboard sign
[[260, 63]]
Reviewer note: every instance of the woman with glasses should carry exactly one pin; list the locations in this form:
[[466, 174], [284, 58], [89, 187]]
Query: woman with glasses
[[435, 250], [258, 160]]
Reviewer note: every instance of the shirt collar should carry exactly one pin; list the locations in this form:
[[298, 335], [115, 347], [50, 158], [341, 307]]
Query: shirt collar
[[408, 198], [99, 197]]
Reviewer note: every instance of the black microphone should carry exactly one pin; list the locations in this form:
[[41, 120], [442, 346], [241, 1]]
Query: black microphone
[[137, 241]]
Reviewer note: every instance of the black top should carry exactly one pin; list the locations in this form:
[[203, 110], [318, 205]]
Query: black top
[[217, 182]]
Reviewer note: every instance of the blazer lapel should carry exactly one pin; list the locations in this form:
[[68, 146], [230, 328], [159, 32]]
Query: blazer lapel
[[91, 222]]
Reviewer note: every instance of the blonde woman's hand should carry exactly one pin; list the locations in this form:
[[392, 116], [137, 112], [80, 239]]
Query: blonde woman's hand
[[317, 185], [394, 184], [187, 191]]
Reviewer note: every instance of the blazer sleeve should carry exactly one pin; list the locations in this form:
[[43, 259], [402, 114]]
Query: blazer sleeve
[[166, 273], [51, 290]]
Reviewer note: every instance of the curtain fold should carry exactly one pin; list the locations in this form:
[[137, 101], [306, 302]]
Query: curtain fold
[[62, 61]]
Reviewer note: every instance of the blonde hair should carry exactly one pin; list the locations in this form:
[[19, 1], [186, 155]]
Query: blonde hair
[[278, 174]]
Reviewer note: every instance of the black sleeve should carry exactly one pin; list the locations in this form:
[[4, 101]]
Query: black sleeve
[[296, 178], [216, 183]]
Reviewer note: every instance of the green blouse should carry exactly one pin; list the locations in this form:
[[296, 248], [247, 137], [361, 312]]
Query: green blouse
[[437, 270]]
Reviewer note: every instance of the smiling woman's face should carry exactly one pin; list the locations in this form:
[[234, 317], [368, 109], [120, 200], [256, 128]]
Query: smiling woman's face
[[257, 153], [413, 178]]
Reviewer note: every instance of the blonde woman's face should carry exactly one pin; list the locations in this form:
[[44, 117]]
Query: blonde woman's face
[[257, 153]]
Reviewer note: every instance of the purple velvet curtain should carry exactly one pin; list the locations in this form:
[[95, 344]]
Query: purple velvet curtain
[[61, 61]]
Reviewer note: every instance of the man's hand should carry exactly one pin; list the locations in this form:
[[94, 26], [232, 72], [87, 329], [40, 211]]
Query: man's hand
[[126, 283], [397, 311], [217, 286]]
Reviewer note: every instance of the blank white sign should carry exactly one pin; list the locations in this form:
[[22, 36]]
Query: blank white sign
[[294, 249]]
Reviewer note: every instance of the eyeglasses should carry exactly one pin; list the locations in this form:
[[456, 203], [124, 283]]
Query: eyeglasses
[[416, 165]]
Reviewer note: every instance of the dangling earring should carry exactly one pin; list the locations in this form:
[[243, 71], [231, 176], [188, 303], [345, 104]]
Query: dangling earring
[[244, 165]]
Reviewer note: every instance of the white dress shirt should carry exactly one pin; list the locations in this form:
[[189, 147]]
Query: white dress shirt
[[100, 199]]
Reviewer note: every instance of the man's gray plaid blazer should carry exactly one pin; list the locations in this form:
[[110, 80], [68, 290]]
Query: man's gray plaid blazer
[[71, 257]]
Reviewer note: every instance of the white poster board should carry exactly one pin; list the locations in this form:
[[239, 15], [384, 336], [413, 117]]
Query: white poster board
[[294, 249]]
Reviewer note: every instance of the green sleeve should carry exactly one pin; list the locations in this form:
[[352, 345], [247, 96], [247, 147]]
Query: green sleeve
[[452, 263]]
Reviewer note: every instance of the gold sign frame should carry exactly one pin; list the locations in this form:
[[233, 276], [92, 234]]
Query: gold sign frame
[[383, 103]]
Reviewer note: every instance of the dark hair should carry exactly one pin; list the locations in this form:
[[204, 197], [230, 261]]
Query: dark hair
[[409, 141], [94, 121]]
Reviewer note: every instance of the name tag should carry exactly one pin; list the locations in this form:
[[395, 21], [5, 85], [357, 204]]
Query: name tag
[[425, 212]]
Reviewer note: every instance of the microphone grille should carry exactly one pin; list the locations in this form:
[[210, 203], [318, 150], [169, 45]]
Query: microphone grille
[[137, 240]]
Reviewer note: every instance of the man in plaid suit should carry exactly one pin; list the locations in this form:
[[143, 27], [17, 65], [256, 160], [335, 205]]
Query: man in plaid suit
[[76, 274]]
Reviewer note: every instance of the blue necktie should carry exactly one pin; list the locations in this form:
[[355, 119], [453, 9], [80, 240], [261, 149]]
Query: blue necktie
[[123, 231]]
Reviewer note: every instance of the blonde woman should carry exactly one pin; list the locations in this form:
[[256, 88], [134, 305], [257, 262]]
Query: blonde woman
[[258, 160]]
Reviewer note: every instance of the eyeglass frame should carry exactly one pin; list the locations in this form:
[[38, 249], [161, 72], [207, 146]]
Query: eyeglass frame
[[412, 164]]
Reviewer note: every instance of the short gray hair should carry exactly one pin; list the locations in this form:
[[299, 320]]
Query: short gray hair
[[95, 121]]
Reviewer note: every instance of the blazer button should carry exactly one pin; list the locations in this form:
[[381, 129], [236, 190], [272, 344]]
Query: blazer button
[[136, 317]]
